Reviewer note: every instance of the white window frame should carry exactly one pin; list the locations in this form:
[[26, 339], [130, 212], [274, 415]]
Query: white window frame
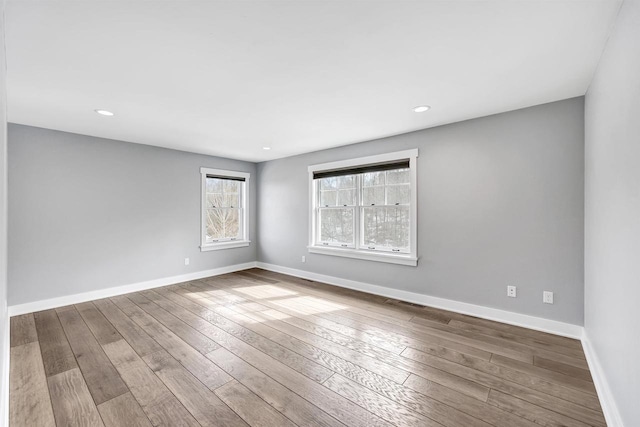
[[244, 222], [410, 258]]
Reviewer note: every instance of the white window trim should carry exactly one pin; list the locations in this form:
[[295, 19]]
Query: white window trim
[[227, 244], [410, 258]]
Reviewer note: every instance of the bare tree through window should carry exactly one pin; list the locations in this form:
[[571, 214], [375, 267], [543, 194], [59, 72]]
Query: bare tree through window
[[377, 202], [223, 212]]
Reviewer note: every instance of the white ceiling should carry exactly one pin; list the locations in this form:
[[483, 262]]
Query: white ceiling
[[229, 77]]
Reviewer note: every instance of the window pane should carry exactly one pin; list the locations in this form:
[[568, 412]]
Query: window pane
[[231, 200], [336, 225], [386, 227], [214, 185], [370, 179], [398, 194], [328, 197], [373, 195], [347, 190], [223, 193], [328, 183], [347, 181], [231, 186], [223, 223], [214, 200], [223, 200], [338, 191], [347, 197], [215, 194], [231, 193], [398, 176]]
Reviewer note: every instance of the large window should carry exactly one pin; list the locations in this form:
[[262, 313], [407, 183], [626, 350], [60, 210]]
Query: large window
[[366, 208], [224, 209]]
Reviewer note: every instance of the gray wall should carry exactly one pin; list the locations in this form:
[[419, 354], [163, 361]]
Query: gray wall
[[612, 212], [87, 213], [500, 202], [4, 317]]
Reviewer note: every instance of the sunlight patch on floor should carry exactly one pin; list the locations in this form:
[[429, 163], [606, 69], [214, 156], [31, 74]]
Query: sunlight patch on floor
[[217, 293], [265, 316], [309, 305], [275, 314], [265, 291], [193, 295], [319, 302], [249, 307]]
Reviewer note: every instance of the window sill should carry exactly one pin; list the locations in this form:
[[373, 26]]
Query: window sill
[[404, 259], [224, 245]]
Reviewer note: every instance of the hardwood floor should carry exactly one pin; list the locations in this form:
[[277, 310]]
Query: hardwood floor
[[257, 348]]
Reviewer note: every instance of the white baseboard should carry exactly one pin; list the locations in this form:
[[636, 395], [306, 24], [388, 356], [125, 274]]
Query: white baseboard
[[531, 322], [537, 323], [609, 407], [30, 307]]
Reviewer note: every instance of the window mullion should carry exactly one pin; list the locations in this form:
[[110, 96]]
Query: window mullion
[[356, 212], [386, 181], [240, 222], [317, 208], [240, 207]]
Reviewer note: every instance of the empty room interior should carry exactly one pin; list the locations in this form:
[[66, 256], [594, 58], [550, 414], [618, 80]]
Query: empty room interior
[[280, 213]]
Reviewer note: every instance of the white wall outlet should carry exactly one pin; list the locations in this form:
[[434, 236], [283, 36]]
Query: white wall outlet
[[547, 297], [304, 258], [186, 261], [511, 291]]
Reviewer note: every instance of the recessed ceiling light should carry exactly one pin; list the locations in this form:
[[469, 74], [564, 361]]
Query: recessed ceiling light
[[266, 148], [104, 112], [421, 108]]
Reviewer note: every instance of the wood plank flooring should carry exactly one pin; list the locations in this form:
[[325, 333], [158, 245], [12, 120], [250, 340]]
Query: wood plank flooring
[[260, 349]]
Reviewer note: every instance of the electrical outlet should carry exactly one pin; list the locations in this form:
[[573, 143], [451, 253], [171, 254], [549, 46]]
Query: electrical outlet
[[186, 261], [547, 297], [304, 258], [511, 291]]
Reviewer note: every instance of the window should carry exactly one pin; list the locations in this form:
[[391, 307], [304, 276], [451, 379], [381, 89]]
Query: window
[[224, 209], [366, 208]]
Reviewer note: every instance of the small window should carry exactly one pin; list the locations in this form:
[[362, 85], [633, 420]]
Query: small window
[[224, 209], [366, 208]]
